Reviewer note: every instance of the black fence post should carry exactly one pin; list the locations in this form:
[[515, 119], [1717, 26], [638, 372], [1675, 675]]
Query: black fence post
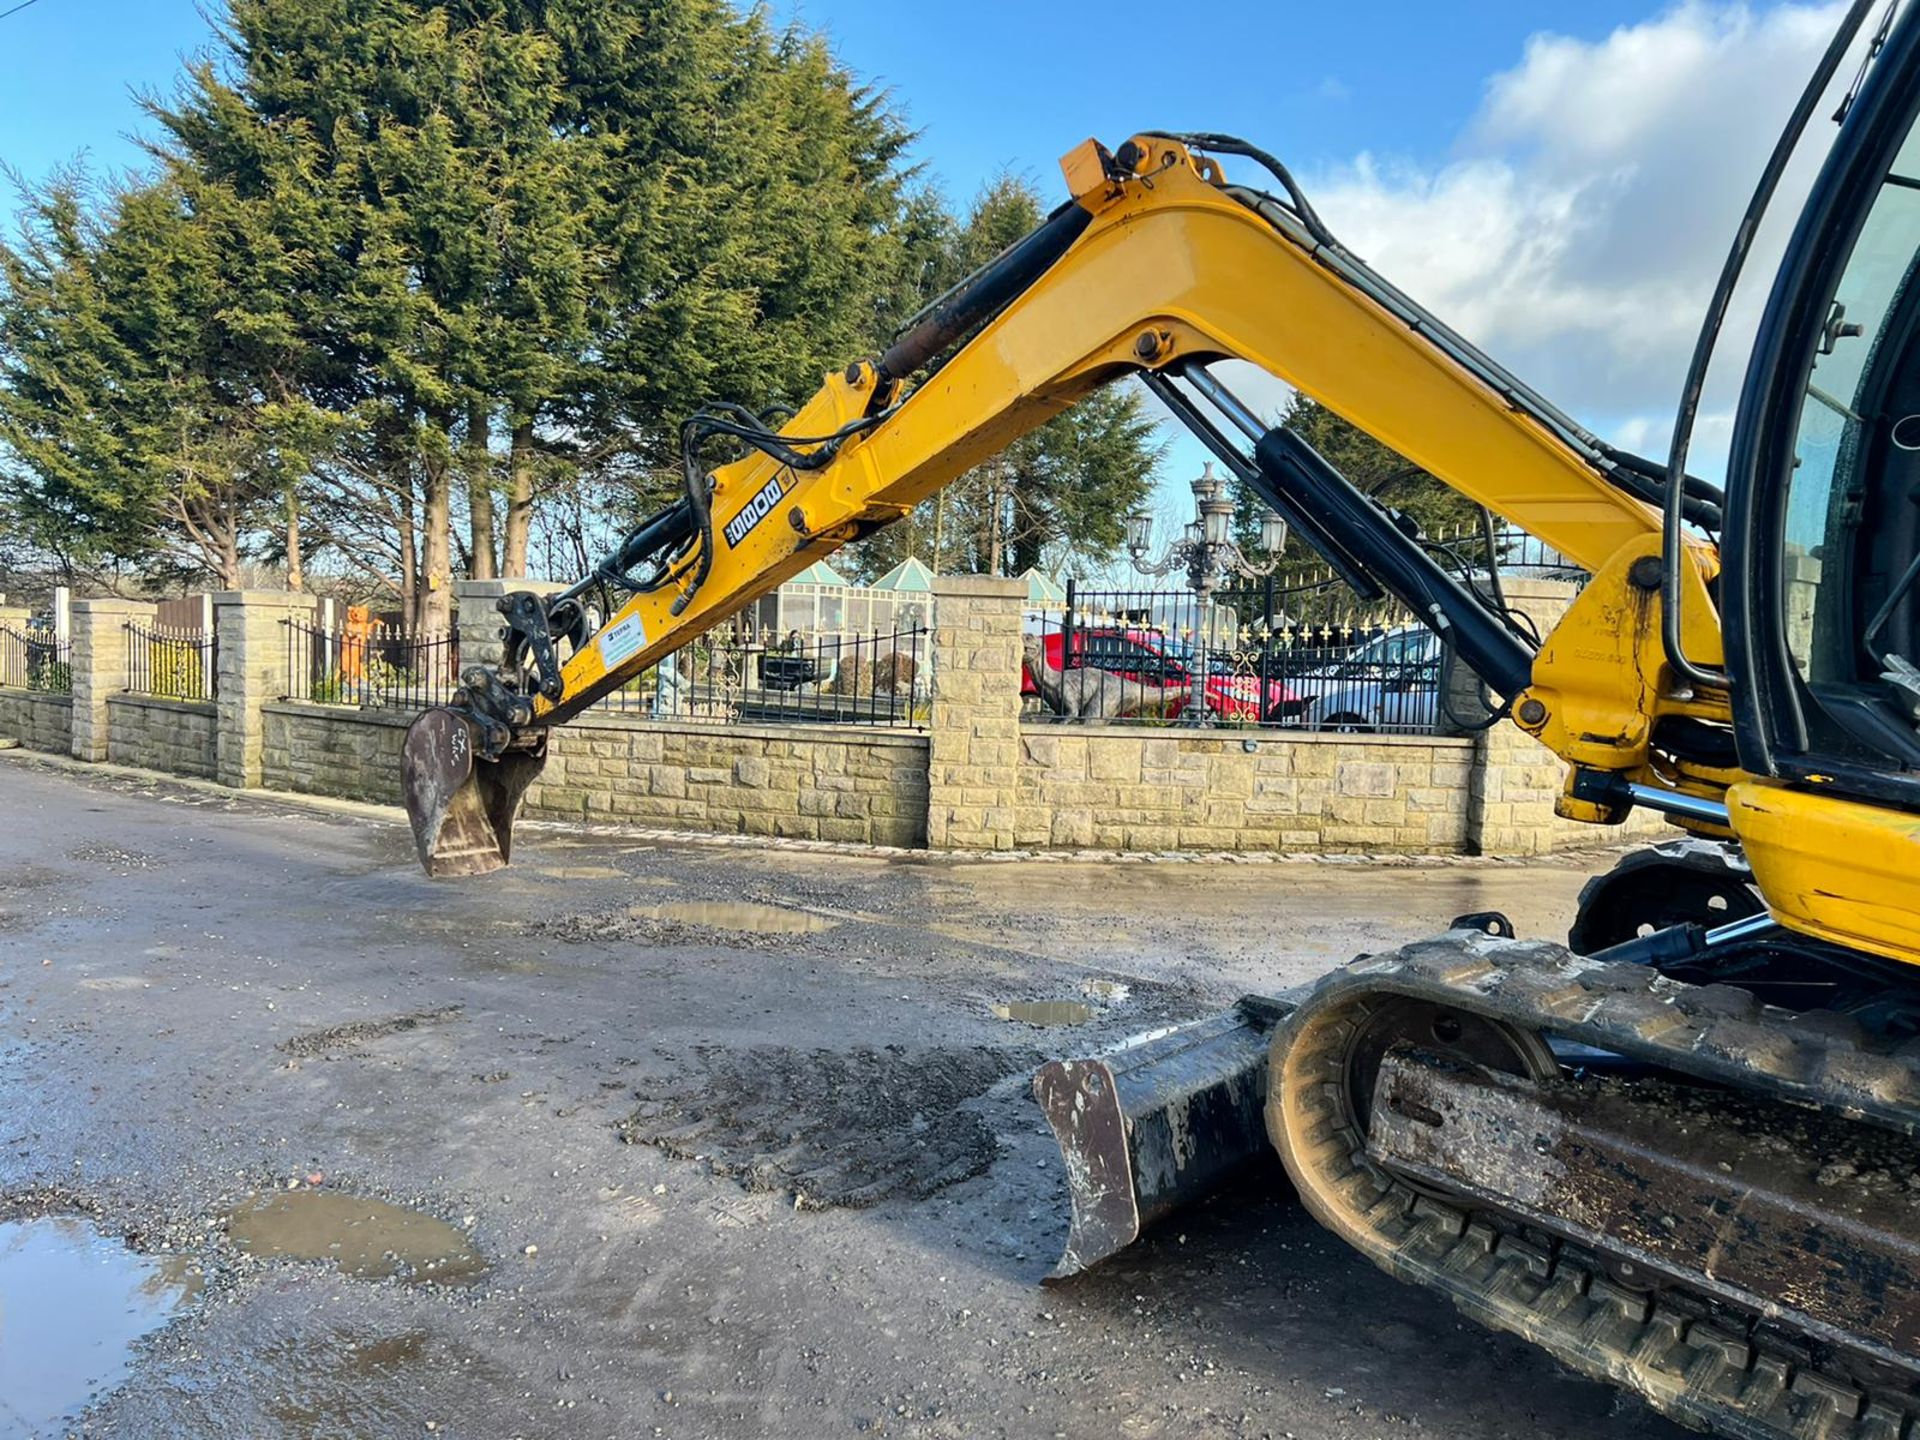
[[1068, 620]]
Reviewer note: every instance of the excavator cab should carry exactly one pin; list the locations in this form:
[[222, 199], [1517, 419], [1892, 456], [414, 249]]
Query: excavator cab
[[1822, 545], [1825, 488]]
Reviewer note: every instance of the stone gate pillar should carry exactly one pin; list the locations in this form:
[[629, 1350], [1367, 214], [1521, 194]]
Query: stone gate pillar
[[973, 750], [251, 668], [100, 666], [1515, 780], [478, 620]]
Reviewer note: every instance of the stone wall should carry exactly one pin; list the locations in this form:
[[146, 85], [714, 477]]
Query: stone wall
[[815, 783], [973, 748], [100, 666], [39, 722], [250, 628], [976, 779], [177, 736], [1120, 788], [327, 750]]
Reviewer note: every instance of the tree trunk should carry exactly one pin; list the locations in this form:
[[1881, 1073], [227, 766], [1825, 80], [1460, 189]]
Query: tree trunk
[[433, 613], [296, 567], [996, 518], [480, 492], [231, 575], [409, 547], [513, 559]]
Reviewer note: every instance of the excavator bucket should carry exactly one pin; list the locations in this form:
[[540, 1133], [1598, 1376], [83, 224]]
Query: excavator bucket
[[462, 806], [1154, 1125]]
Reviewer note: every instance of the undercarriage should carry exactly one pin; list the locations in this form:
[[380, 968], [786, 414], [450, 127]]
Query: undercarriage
[[1684, 1165]]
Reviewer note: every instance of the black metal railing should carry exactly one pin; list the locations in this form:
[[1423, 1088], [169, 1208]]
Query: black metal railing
[[172, 664], [723, 677], [37, 660], [374, 667], [1165, 657], [1309, 593]]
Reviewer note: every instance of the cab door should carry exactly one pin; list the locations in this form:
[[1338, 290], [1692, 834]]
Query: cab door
[[1821, 592]]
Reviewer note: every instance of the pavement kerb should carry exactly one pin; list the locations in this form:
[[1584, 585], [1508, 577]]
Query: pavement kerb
[[394, 815]]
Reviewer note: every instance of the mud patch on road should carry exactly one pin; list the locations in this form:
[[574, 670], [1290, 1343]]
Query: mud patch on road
[[117, 856], [832, 1127], [359, 1032], [29, 877], [735, 924], [368, 1239], [1045, 1012]]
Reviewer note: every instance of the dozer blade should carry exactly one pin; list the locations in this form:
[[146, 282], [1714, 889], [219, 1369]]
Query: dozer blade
[[1153, 1126], [461, 806]]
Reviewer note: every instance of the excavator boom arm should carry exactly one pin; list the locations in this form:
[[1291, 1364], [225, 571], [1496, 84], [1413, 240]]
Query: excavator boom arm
[[1156, 268]]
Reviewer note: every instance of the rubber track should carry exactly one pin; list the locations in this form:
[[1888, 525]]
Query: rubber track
[[1686, 1367]]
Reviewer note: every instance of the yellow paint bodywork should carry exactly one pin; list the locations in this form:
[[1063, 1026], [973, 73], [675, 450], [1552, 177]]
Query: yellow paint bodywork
[[1834, 868], [1172, 268], [1169, 254], [1601, 679]]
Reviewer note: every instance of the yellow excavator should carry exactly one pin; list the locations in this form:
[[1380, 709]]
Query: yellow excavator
[[1677, 1153]]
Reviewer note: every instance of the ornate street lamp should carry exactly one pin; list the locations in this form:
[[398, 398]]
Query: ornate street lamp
[[1207, 552]]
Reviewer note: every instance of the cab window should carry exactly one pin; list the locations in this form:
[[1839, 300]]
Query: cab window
[[1850, 605]]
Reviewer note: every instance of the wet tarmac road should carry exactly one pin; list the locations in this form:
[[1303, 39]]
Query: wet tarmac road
[[595, 1087]]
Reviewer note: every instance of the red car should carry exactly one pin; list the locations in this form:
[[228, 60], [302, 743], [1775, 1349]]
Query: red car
[[1150, 658]]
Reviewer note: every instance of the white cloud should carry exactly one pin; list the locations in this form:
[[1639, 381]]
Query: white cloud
[[1577, 230]]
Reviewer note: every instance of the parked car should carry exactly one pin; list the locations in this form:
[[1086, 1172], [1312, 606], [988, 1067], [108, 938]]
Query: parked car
[[1152, 658], [1391, 683]]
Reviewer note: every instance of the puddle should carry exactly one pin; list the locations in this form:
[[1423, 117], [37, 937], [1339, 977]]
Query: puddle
[[1045, 1012], [72, 1304], [736, 915], [580, 872], [369, 1239]]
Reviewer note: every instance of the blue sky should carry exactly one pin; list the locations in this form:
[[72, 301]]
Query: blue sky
[[1500, 159], [993, 85]]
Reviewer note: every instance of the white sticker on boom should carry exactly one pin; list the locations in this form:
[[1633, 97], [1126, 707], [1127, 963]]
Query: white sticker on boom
[[620, 640]]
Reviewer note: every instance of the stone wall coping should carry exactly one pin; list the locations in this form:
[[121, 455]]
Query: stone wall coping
[[835, 734], [39, 697], [164, 702], [353, 714], [999, 587], [469, 589], [842, 734], [277, 599], [1234, 737], [114, 605]]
